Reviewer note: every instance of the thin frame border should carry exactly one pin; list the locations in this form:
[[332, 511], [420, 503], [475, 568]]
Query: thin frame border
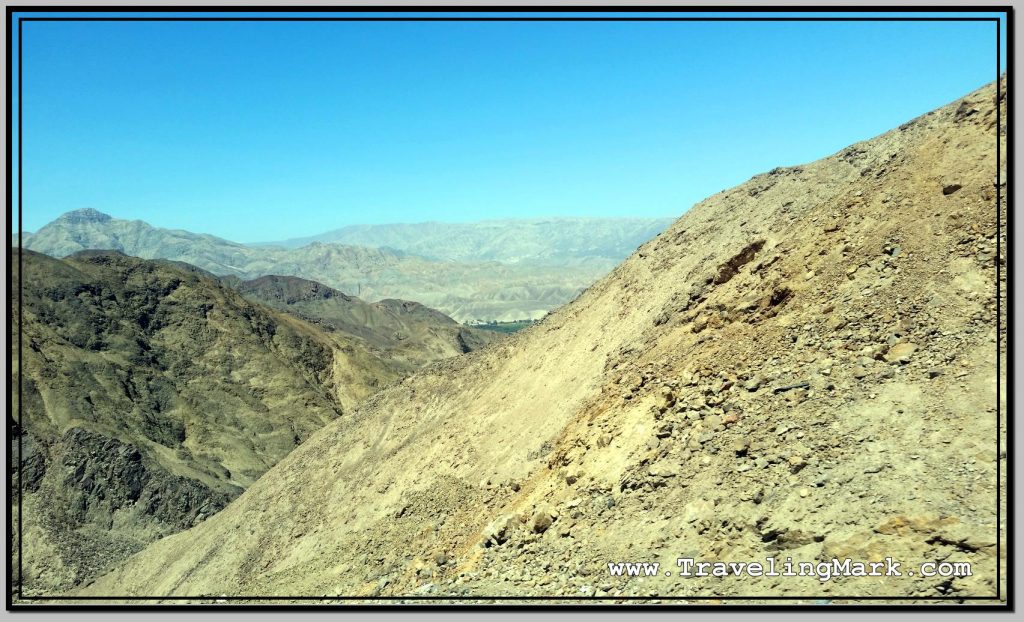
[[556, 602]]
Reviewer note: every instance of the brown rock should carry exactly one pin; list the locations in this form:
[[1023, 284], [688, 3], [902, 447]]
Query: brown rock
[[900, 353], [541, 520]]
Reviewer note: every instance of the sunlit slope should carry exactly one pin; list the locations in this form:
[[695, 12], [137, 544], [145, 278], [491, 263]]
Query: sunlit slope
[[801, 366]]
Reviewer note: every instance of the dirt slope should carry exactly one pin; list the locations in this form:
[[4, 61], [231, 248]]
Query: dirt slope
[[802, 366]]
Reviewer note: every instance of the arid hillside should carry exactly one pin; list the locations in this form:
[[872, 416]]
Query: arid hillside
[[153, 395], [405, 333], [802, 366]]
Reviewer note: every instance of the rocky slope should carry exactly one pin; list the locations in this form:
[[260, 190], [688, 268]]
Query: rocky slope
[[803, 366], [153, 396], [407, 334], [472, 288]]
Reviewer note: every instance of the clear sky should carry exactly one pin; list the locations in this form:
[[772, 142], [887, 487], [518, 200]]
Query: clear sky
[[264, 131]]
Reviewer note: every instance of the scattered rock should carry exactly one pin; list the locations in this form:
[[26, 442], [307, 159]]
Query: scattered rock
[[542, 519], [790, 387], [699, 509], [900, 353]]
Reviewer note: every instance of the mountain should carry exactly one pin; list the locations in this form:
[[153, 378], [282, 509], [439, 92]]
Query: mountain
[[154, 394], [90, 229], [555, 241], [464, 290], [803, 366], [406, 333]]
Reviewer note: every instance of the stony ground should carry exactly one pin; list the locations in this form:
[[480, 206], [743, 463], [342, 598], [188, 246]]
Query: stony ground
[[803, 366]]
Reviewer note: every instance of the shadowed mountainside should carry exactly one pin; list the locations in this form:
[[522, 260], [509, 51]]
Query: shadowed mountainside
[[153, 395], [405, 332]]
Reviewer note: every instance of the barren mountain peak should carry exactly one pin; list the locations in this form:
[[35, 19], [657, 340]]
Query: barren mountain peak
[[85, 215]]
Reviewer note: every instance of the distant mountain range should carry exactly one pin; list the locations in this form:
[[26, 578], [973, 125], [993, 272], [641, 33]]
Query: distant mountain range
[[535, 240], [498, 270]]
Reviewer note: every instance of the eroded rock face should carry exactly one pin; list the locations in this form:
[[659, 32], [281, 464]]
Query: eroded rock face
[[103, 476], [95, 499]]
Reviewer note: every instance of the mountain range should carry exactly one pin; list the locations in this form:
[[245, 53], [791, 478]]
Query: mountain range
[[554, 241], [472, 272]]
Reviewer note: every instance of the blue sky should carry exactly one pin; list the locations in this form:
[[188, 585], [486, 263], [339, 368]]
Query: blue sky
[[264, 131]]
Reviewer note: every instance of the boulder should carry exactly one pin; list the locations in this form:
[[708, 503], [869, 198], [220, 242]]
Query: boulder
[[499, 531], [542, 519]]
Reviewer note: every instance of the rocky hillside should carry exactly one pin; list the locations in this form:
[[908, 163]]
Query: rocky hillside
[[559, 241], [407, 334], [153, 396], [473, 288], [803, 366]]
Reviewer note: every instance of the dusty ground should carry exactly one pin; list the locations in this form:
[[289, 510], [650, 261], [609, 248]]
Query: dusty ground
[[802, 366]]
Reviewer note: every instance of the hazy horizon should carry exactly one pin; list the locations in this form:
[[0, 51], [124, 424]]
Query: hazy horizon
[[364, 224]]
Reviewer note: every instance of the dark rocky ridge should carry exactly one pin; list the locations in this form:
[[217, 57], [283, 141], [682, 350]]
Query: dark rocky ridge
[[152, 395], [407, 333]]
